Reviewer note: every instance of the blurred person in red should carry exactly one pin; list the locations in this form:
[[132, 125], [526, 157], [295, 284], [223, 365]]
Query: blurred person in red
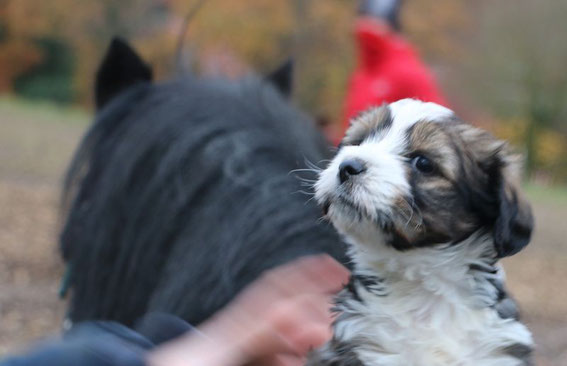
[[389, 68]]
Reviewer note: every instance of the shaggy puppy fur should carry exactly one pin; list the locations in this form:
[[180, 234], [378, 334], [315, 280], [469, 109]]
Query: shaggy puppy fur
[[428, 205], [181, 194]]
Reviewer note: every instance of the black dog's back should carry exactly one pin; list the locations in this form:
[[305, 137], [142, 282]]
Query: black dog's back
[[181, 194]]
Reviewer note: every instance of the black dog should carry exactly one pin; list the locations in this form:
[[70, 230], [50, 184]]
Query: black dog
[[180, 193]]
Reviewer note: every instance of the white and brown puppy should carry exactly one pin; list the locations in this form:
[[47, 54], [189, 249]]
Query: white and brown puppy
[[428, 205]]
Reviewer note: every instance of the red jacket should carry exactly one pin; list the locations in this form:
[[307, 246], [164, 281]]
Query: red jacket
[[388, 69]]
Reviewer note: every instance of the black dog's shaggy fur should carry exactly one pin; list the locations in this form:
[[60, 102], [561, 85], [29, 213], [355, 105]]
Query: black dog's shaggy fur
[[180, 194]]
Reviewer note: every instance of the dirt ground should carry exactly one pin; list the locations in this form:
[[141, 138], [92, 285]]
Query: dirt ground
[[36, 143]]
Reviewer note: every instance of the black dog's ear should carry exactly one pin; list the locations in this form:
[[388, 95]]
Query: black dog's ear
[[514, 223], [282, 78], [120, 69]]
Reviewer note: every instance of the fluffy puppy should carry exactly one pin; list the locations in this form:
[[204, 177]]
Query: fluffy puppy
[[428, 205]]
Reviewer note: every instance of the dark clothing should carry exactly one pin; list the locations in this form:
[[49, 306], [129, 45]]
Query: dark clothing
[[99, 343]]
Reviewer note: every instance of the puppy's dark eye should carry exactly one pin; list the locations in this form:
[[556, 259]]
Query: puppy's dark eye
[[423, 164]]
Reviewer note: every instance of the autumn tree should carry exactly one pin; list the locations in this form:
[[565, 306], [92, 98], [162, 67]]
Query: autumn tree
[[515, 68]]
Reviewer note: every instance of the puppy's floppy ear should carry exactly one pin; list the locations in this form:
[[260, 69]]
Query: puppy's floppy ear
[[514, 222], [120, 69], [504, 206], [282, 78]]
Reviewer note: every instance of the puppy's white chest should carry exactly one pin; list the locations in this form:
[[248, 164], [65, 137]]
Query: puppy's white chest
[[390, 333]]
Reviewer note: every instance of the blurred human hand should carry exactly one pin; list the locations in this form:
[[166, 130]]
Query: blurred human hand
[[274, 321]]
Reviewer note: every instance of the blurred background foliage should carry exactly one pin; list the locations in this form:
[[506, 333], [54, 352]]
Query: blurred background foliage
[[501, 63]]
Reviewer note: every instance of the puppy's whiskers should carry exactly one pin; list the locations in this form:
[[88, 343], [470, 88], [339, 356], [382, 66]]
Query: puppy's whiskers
[[304, 170], [314, 166], [305, 193], [413, 211], [306, 184]]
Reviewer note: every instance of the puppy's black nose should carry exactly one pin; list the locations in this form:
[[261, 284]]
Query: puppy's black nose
[[349, 168]]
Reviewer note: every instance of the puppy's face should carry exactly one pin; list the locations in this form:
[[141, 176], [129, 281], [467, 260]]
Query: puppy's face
[[411, 174]]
